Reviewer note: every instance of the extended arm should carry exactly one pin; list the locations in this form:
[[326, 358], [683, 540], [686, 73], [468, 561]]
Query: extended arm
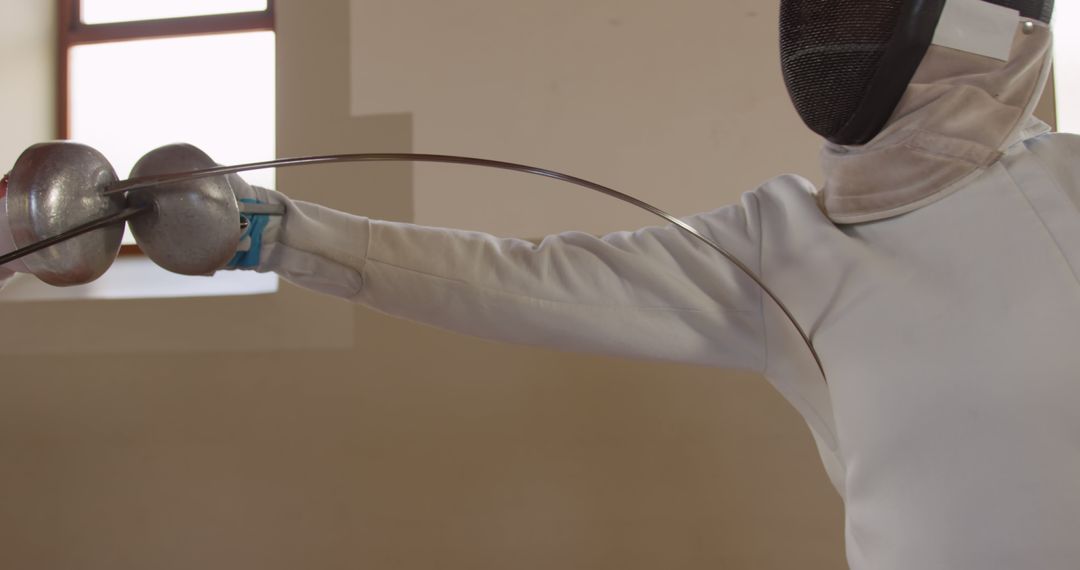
[[655, 293]]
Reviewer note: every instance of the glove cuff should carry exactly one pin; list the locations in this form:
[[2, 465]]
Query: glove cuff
[[258, 213]]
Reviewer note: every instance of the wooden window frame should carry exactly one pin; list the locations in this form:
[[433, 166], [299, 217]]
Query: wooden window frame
[[73, 32]]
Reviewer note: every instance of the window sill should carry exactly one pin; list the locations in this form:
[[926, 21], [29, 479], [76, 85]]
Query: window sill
[[157, 312]]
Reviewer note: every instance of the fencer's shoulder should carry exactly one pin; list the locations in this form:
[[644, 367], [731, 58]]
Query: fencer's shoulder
[[787, 195], [787, 187], [789, 191], [1060, 154], [1068, 142], [1055, 146], [784, 199]]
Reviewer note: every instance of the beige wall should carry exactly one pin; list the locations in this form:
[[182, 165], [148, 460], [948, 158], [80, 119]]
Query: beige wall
[[408, 447], [28, 84], [680, 103]]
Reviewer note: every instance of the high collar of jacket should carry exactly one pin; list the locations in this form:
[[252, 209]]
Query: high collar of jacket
[[956, 119]]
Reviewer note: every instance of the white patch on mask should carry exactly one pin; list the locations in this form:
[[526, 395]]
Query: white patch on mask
[[978, 27]]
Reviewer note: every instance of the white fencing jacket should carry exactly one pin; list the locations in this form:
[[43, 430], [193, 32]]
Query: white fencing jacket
[[951, 421], [947, 319]]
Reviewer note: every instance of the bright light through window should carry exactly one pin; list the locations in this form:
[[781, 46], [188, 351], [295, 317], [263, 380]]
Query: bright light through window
[[1067, 65], [104, 11], [213, 91]]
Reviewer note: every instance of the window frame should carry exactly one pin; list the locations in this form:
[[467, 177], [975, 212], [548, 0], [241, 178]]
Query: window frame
[[73, 32]]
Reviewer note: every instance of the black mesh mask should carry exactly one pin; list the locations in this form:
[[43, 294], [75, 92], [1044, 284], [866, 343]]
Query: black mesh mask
[[847, 63]]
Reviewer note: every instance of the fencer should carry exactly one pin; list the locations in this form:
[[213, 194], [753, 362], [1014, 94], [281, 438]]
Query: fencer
[[936, 270]]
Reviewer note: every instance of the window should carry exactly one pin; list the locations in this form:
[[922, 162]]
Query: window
[[138, 74], [109, 11], [1067, 65]]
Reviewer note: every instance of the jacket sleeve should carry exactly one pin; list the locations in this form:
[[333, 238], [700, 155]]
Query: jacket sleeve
[[655, 293]]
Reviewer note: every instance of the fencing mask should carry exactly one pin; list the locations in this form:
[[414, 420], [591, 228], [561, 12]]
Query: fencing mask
[[847, 63]]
